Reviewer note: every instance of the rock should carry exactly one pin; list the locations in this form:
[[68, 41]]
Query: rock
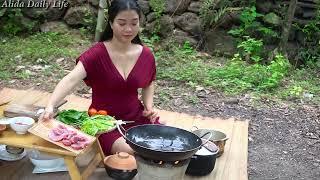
[[50, 14], [301, 22], [301, 37], [76, 2], [167, 25], [143, 20], [181, 37], [94, 2], [195, 6], [232, 101], [219, 42], [309, 14], [264, 6], [19, 68], [272, 19], [178, 32], [54, 26], [307, 5], [230, 19], [36, 67], [150, 27], [78, 15], [144, 5], [18, 58], [59, 60], [151, 17], [176, 6], [188, 22]]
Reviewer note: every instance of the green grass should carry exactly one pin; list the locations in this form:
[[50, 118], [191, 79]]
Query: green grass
[[236, 77], [179, 63], [39, 49]]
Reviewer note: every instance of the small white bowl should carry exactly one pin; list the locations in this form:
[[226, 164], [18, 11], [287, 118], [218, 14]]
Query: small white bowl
[[21, 124]]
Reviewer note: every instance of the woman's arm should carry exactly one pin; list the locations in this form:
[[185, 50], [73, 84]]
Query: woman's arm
[[147, 98], [67, 84]]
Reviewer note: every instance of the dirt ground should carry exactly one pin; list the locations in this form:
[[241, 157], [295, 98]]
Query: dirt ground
[[284, 139]]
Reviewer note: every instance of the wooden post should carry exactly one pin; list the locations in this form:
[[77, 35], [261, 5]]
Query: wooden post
[[101, 23], [287, 26]]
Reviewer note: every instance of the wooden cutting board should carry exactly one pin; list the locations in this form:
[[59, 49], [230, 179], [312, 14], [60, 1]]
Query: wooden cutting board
[[42, 130], [28, 110]]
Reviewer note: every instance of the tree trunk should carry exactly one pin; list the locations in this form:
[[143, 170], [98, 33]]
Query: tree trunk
[[101, 23], [287, 26]]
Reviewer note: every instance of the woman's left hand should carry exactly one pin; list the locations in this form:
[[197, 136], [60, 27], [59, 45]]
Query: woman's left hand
[[151, 114]]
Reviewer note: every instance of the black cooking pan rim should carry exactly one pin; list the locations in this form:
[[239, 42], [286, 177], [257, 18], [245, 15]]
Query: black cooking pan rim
[[171, 152]]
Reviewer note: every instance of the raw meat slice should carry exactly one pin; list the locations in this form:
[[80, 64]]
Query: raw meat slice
[[76, 146], [55, 137], [57, 131], [66, 142]]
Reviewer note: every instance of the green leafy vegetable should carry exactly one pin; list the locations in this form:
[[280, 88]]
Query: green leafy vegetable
[[90, 125], [72, 117]]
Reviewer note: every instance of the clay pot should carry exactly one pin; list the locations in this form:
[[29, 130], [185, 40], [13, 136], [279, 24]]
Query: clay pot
[[121, 166]]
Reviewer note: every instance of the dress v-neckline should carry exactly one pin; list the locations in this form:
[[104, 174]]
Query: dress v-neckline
[[114, 66]]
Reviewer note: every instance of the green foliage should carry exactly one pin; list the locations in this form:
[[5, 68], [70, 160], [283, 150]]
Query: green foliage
[[309, 53], [300, 83], [158, 8], [251, 49], [12, 22], [210, 15], [41, 49], [237, 76], [90, 22], [250, 26], [150, 41]]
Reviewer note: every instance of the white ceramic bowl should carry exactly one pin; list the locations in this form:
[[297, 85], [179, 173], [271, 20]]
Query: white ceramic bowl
[[45, 161], [21, 124]]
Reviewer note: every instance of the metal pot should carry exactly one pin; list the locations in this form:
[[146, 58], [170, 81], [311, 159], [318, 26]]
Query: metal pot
[[219, 138], [160, 142], [203, 162]]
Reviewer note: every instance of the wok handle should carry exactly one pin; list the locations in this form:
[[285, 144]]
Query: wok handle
[[208, 139], [121, 129]]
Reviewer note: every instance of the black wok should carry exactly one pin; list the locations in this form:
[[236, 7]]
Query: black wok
[[160, 142]]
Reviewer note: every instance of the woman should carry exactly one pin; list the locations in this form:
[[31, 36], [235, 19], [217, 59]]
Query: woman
[[115, 68]]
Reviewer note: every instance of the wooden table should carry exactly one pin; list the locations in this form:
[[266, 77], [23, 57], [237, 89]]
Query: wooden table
[[231, 165], [30, 141]]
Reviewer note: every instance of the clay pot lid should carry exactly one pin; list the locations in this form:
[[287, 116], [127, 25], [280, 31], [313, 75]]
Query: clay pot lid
[[121, 161]]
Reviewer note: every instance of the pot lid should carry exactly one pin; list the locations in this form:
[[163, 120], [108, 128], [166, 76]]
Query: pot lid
[[207, 149], [121, 161]]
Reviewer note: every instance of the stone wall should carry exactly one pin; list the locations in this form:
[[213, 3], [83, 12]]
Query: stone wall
[[180, 18]]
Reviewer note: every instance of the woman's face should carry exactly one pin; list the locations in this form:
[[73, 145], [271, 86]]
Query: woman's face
[[126, 26]]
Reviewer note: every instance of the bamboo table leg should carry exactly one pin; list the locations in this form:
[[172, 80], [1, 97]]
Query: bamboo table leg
[[72, 167]]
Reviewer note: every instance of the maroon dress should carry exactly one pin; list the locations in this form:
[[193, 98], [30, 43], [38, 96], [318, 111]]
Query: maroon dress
[[113, 93]]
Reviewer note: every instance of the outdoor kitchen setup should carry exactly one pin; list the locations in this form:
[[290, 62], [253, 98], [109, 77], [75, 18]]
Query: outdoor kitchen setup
[[165, 152]]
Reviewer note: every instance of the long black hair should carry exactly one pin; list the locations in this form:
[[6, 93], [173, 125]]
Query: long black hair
[[115, 7]]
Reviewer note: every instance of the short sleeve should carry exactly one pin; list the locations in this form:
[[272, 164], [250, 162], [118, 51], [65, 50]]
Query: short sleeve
[[89, 59], [153, 67]]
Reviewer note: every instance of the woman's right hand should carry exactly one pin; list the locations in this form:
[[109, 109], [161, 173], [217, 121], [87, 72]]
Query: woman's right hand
[[47, 114]]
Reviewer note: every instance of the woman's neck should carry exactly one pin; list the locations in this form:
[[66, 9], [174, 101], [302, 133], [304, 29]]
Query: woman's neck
[[124, 47]]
